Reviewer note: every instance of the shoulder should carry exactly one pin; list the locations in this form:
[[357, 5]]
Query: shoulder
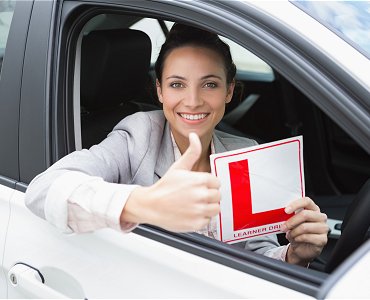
[[142, 121], [233, 142]]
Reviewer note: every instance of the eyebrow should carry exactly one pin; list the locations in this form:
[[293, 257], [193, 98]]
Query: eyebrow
[[202, 78]]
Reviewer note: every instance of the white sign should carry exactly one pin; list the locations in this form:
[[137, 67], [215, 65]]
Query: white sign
[[256, 185]]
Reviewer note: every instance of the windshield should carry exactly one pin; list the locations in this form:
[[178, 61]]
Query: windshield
[[348, 19]]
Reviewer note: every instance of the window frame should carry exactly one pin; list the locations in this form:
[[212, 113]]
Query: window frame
[[293, 277], [10, 86]]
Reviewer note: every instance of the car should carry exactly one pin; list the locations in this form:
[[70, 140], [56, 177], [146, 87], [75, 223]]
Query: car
[[70, 72]]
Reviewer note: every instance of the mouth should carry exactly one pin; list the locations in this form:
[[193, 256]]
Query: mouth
[[193, 117]]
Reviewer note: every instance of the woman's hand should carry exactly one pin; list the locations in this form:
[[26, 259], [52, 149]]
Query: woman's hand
[[306, 231], [181, 201]]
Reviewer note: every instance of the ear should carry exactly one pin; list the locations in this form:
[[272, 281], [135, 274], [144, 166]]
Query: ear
[[159, 90], [230, 91]]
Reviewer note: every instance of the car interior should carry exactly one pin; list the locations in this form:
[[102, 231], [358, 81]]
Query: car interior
[[117, 79]]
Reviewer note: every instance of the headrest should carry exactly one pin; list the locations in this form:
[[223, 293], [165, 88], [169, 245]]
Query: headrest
[[114, 66]]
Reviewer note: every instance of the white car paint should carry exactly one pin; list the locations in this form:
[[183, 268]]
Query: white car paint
[[5, 196], [109, 264], [354, 283]]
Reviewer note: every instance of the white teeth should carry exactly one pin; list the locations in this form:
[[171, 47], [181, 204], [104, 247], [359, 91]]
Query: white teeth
[[193, 117]]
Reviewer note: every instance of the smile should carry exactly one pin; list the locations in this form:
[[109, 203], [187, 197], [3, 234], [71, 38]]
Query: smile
[[192, 117]]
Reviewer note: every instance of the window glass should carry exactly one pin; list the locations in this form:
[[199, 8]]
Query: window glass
[[244, 60], [152, 28], [6, 15], [348, 19], [247, 62]]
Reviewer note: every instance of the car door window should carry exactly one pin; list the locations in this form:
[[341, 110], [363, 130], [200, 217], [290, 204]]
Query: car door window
[[245, 61], [155, 32], [6, 15]]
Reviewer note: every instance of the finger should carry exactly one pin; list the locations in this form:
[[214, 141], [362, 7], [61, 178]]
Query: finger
[[309, 228], [319, 240], [212, 210], [304, 216], [204, 179], [302, 203], [191, 155], [212, 181], [205, 196], [213, 196]]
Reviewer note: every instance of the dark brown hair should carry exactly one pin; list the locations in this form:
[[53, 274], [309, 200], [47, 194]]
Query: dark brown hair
[[182, 35]]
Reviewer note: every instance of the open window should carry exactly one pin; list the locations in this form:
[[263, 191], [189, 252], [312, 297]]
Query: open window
[[270, 106]]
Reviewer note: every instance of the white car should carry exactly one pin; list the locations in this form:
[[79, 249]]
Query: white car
[[305, 68]]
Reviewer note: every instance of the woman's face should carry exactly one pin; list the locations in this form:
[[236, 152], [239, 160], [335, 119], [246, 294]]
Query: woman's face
[[194, 91]]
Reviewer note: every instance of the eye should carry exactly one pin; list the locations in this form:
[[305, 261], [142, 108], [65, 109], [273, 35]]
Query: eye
[[176, 85], [210, 85]]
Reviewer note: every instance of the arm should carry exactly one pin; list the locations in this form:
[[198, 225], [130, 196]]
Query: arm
[[180, 201], [85, 179]]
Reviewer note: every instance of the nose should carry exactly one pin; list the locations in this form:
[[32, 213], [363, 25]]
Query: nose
[[193, 98]]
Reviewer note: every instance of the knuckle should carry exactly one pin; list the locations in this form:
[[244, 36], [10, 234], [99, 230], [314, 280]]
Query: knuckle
[[216, 196], [304, 213], [300, 238], [201, 179]]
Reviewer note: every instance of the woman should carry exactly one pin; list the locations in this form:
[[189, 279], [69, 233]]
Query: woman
[[154, 167]]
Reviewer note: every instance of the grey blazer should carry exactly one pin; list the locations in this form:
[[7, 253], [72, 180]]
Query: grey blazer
[[138, 151]]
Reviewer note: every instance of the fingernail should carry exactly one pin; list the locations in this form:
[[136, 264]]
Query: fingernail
[[284, 227], [288, 210]]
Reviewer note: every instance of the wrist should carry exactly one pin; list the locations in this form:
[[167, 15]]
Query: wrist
[[135, 209], [293, 258]]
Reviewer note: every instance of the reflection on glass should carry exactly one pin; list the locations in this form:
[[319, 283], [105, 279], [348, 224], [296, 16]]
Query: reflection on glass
[[349, 19], [6, 15]]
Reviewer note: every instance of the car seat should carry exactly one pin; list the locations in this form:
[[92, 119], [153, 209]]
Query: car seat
[[115, 80]]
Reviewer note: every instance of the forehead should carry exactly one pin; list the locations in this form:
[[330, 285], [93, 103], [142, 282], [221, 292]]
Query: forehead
[[192, 58]]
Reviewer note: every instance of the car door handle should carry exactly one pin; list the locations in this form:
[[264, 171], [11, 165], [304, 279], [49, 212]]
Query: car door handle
[[30, 282]]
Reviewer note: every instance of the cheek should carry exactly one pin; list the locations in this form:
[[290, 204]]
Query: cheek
[[217, 101], [170, 99]]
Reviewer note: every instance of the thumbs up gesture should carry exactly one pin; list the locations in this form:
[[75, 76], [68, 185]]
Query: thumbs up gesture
[[181, 201]]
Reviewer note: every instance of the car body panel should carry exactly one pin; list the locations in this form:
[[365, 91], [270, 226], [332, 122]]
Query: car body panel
[[5, 196], [349, 281], [77, 265]]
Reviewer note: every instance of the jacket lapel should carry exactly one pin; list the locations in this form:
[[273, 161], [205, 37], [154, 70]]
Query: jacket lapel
[[219, 146], [166, 156]]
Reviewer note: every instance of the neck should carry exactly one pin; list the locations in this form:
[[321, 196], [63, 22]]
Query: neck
[[203, 164]]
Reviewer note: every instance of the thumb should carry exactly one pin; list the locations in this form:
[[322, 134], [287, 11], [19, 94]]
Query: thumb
[[191, 155]]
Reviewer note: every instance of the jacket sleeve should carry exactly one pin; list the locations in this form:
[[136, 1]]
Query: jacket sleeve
[[84, 183]]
